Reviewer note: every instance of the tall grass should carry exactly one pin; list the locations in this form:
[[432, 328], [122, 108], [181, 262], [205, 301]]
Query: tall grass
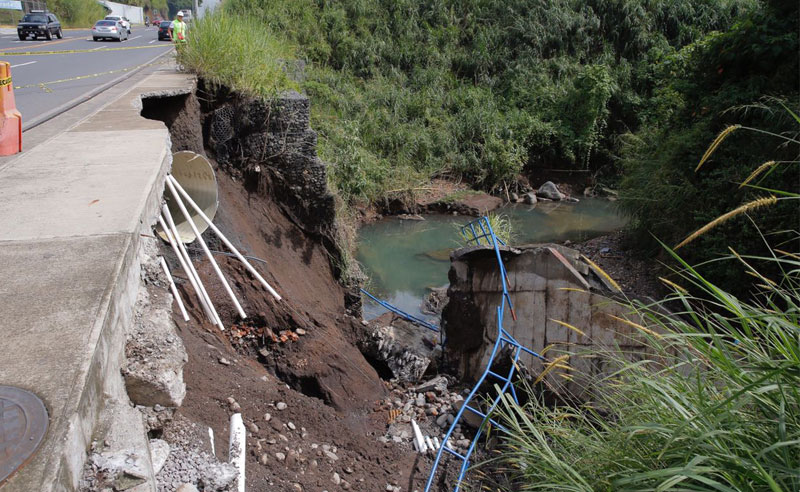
[[238, 52], [711, 404]]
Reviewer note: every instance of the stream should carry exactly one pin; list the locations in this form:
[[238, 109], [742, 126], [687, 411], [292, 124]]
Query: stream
[[405, 258]]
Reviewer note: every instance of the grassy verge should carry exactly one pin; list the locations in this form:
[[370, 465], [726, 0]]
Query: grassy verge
[[712, 404], [238, 52]]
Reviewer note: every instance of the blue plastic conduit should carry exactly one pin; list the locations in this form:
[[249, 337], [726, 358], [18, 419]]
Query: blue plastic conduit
[[503, 342], [397, 311]]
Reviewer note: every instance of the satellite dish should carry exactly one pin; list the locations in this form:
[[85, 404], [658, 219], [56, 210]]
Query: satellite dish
[[196, 176]]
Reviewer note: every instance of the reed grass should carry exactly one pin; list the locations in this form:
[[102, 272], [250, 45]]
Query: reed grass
[[717, 141], [760, 169], [747, 207], [711, 405]]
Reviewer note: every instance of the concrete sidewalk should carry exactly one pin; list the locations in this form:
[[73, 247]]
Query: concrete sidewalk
[[71, 216]]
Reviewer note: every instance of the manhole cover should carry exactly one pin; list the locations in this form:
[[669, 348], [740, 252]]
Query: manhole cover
[[23, 422]]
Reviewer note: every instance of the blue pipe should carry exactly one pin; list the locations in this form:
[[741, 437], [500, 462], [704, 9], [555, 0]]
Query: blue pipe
[[405, 315]]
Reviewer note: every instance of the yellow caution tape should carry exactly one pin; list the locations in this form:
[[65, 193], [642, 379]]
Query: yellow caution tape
[[65, 52], [6, 81], [44, 85]]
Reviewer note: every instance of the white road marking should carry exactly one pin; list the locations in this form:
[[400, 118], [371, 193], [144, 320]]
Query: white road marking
[[98, 48], [135, 37], [22, 64], [151, 42]]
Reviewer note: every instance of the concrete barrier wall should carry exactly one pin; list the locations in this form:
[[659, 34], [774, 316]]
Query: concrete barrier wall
[[133, 13]]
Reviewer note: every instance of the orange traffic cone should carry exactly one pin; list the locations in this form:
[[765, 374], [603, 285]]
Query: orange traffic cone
[[11, 126]]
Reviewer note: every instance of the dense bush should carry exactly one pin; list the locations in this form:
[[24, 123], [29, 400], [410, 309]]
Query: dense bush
[[747, 76], [404, 89]]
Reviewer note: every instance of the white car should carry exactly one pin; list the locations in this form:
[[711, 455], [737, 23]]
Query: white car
[[110, 29], [123, 20]]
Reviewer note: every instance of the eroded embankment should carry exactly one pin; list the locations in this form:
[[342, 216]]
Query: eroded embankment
[[307, 395]]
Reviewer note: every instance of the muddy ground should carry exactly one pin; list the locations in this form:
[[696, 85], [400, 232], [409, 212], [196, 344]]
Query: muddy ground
[[300, 353]]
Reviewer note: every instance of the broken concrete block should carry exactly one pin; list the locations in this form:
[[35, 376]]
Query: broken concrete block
[[155, 354], [407, 350], [159, 452]]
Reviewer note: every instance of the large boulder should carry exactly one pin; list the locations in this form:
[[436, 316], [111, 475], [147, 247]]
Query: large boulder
[[550, 191]]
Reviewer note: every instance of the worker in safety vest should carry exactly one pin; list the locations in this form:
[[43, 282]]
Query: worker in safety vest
[[177, 30]]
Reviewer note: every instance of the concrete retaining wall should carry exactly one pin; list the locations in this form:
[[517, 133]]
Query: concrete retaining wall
[[71, 225], [133, 13], [547, 284]]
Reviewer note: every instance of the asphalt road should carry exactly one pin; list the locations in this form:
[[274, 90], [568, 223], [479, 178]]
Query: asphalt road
[[37, 78]]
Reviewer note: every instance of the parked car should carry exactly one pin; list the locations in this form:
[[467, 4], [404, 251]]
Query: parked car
[[163, 31], [124, 20], [109, 29], [39, 23]]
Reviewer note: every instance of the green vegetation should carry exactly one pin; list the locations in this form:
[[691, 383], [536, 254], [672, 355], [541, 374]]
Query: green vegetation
[[624, 91], [479, 89], [746, 76], [77, 13], [711, 404], [237, 52]]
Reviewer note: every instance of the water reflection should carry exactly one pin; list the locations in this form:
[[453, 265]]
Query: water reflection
[[404, 258]]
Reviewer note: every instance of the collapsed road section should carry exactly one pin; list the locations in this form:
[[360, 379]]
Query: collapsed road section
[[186, 316]]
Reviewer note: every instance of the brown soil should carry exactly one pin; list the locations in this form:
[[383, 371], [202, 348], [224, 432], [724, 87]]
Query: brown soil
[[439, 196], [638, 277], [332, 394]]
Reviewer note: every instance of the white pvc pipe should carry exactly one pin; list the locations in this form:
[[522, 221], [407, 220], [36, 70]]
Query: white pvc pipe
[[236, 448], [421, 446], [436, 443], [211, 438], [212, 312], [173, 288], [187, 268], [222, 237], [186, 214], [429, 443]]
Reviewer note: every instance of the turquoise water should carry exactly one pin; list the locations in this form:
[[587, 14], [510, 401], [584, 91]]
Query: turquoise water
[[404, 258]]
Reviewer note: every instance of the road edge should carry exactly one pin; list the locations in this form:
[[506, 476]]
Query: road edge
[[33, 123]]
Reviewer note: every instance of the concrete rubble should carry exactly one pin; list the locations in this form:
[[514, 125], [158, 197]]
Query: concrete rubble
[[155, 355], [407, 350], [433, 406]]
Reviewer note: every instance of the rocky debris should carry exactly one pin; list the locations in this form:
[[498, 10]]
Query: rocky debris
[[438, 384], [114, 471], [188, 466], [186, 487], [529, 198], [432, 406], [435, 301], [550, 191], [156, 417], [159, 452], [154, 353], [405, 348]]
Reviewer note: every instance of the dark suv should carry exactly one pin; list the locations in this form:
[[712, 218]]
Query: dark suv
[[39, 23], [163, 31]]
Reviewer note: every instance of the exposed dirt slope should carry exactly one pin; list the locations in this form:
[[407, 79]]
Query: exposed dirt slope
[[241, 363]]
